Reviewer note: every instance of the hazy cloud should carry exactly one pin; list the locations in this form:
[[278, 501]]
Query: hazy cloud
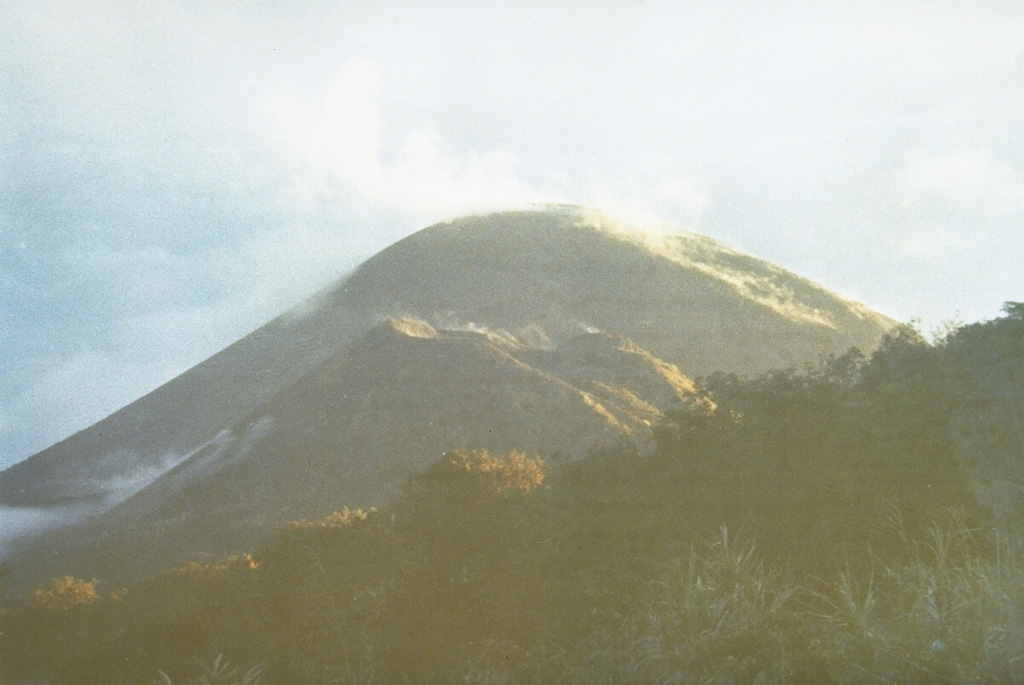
[[649, 198], [20, 522], [940, 200], [336, 143], [968, 177]]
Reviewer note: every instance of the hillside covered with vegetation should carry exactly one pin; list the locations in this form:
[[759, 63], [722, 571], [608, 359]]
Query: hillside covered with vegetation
[[855, 522]]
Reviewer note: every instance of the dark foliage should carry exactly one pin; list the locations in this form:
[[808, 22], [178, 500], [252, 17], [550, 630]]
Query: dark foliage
[[870, 563]]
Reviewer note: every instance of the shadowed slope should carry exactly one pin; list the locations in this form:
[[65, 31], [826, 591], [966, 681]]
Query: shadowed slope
[[167, 424], [369, 417]]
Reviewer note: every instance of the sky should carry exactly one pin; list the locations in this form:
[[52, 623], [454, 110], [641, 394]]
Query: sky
[[175, 174]]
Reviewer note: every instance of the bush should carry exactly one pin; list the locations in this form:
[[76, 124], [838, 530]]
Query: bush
[[65, 592]]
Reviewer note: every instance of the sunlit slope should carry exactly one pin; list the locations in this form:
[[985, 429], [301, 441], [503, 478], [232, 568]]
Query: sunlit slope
[[365, 420], [685, 297]]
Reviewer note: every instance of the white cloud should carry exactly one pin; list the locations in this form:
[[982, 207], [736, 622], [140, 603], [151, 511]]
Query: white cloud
[[651, 199], [939, 234], [341, 134], [969, 177], [682, 194], [941, 205], [432, 180], [929, 243], [336, 146]]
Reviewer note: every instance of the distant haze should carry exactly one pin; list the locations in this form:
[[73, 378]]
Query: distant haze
[[174, 174]]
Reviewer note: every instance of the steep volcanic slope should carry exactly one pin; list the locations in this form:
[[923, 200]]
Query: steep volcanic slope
[[321, 408], [123, 451], [684, 297], [353, 431]]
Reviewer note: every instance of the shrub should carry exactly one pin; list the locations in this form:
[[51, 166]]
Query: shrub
[[65, 592]]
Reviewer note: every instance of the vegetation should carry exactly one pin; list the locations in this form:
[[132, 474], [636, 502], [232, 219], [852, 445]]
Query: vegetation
[[825, 525]]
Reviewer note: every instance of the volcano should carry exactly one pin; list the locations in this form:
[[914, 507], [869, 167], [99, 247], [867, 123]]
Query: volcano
[[552, 331]]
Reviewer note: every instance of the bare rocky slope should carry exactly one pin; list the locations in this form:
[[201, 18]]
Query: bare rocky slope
[[549, 331]]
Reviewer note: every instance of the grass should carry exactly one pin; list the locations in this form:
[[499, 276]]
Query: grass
[[951, 611], [219, 672], [948, 609]]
